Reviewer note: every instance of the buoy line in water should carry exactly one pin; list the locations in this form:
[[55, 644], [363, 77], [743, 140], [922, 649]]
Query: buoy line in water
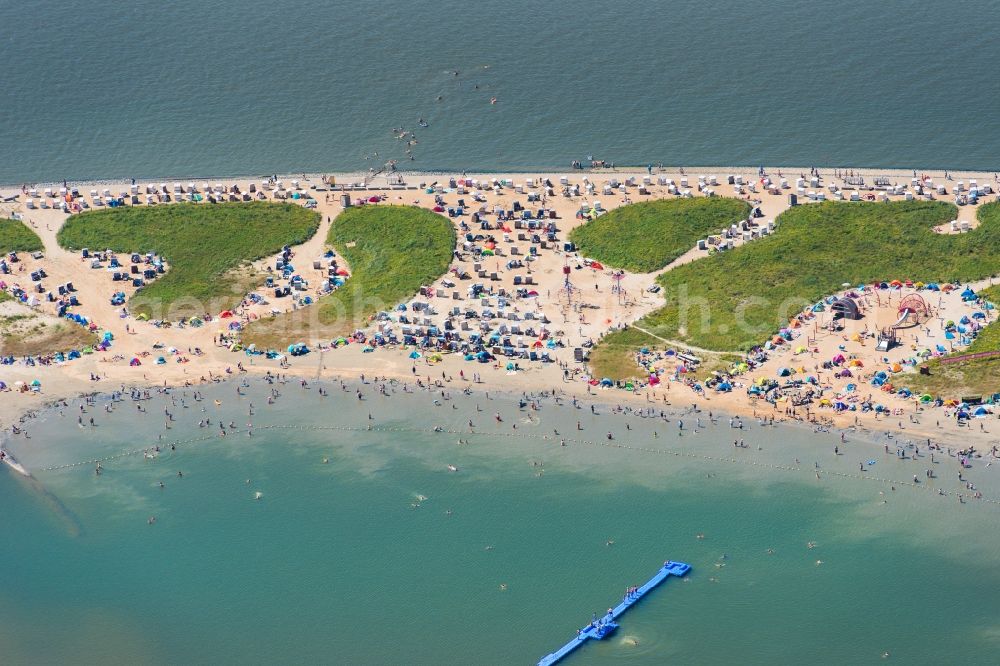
[[612, 444]]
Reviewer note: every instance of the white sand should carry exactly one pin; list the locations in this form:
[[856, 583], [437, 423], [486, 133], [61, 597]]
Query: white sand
[[607, 310]]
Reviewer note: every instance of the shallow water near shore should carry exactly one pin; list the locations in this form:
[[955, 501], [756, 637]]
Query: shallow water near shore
[[383, 555], [153, 89]]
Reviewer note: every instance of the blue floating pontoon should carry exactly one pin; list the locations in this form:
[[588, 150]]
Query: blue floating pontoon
[[601, 628]]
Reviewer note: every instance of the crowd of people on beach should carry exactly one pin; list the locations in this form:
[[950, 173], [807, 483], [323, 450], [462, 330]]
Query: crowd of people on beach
[[652, 424]]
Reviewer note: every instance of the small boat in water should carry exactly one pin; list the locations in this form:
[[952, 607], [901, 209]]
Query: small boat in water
[[452, 468]]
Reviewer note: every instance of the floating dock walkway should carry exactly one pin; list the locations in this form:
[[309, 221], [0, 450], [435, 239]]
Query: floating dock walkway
[[599, 629]]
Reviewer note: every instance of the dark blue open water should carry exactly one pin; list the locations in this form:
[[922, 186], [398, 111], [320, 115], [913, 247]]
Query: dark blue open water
[[149, 88]]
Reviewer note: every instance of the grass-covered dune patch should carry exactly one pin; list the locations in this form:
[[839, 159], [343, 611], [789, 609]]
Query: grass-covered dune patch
[[974, 376], [645, 237], [737, 299], [391, 251], [16, 237], [204, 245]]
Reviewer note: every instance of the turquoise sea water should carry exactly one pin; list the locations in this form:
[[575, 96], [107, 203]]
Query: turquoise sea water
[[148, 88], [383, 556], [343, 562]]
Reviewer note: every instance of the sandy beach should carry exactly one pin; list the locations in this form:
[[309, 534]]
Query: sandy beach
[[149, 465], [592, 309], [386, 455], [392, 335]]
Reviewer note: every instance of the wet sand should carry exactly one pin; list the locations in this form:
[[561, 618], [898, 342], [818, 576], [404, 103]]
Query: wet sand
[[74, 378], [494, 522], [542, 422]]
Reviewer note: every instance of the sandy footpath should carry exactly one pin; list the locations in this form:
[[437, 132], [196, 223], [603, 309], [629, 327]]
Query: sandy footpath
[[569, 321]]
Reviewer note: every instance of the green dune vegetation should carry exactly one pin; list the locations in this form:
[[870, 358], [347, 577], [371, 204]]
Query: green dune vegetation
[[391, 251], [208, 248], [980, 376], [15, 236], [988, 339], [28, 333], [23, 331], [645, 237], [737, 299]]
